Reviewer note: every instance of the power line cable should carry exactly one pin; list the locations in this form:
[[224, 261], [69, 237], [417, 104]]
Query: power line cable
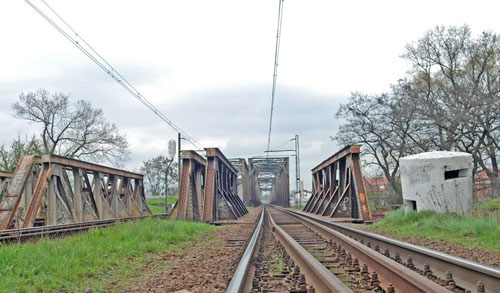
[[275, 73], [108, 68], [280, 145]]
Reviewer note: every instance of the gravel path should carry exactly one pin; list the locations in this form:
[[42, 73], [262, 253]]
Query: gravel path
[[204, 266]]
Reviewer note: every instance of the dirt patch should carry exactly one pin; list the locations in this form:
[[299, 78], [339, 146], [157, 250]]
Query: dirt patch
[[477, 254], [203, 266]]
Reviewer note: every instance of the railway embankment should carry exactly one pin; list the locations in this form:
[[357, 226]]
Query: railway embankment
[[475, 236], [96, 259]]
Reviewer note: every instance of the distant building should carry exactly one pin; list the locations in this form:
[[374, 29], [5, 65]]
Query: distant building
[[482, 185], [376, 184]]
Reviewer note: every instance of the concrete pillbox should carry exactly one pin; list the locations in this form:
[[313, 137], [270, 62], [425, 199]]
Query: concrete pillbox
[[439, 181]]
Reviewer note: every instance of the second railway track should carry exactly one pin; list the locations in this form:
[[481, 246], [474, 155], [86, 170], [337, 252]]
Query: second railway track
[[24, 234], [291, 253]]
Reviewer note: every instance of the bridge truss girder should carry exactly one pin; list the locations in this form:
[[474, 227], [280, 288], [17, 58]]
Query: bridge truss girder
[[59, 190], [338, 190], [208, 190], [270, 178], [5, 178], [192, 189], [221, 199], [244, 182]]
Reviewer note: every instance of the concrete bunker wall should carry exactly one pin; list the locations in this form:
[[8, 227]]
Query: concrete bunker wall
[[437, 181]]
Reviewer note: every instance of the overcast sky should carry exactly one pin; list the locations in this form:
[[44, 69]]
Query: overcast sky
[[207, 65]]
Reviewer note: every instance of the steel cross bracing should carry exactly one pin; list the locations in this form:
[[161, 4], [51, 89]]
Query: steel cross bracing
[[192, 189], [270, 178], [208, 190], [5, 178], [338, 190], [244, 181], [221, 200], [53, 190]]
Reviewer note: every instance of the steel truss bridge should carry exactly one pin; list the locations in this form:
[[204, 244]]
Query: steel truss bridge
[[53, 190]]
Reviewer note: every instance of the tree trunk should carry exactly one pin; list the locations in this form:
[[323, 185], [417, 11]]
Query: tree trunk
[[494, 175]]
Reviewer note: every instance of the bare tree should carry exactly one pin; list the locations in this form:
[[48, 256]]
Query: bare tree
[[438, 81], [455, 83], [73, 130], [370, 122], [154, 176]]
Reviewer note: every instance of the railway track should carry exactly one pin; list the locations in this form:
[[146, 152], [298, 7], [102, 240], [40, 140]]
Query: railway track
[[440, 267], [24, 234], [293, 253]]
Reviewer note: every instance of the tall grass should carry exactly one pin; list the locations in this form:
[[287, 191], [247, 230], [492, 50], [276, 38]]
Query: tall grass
[[77, 261], [157, 205], [471, 230]]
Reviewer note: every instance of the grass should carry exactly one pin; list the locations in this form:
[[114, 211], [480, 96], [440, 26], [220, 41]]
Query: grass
[[471, 230], [89, 260], [157, 205], [250, 208]]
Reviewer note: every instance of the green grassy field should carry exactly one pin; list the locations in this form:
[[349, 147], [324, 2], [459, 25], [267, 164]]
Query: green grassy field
[[481, 228], [157, 206], [92, 259]]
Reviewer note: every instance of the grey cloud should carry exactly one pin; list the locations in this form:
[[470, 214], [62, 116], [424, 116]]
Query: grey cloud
[[239, 114]]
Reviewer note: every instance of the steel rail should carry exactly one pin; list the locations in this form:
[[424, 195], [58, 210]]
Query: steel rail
[[317, 274], [21, 234], [466, 273], [389, 271], [241, 273]]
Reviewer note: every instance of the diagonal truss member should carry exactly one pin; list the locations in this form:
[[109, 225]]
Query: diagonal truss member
[[338, 190], [208, 190], [53, 190], [271, 179]]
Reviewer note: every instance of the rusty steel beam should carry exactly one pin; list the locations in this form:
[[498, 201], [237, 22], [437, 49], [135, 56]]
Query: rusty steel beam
[[191, 191], [53, 190], [338, 190], [244, 180], [271, 179], [5, 178], [5, 174], [221, 201], [60, 160]]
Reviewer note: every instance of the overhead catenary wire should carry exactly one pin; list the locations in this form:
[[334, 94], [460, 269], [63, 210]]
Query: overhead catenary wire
[[280, 145], [93, 55], [275, 72]]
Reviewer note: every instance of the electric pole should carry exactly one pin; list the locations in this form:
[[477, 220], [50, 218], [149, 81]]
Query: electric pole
[[297, 166], [168, 161]]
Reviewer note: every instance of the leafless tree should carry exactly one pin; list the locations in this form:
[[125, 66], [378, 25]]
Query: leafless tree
[[154, 176], [73, 130], [376, 123], [455, 83], [438, 81], [450, 100]]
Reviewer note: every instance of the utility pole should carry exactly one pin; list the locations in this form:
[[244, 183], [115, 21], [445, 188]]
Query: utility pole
[[297, 166], [179, 163], [168, 161], [167, 166]]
